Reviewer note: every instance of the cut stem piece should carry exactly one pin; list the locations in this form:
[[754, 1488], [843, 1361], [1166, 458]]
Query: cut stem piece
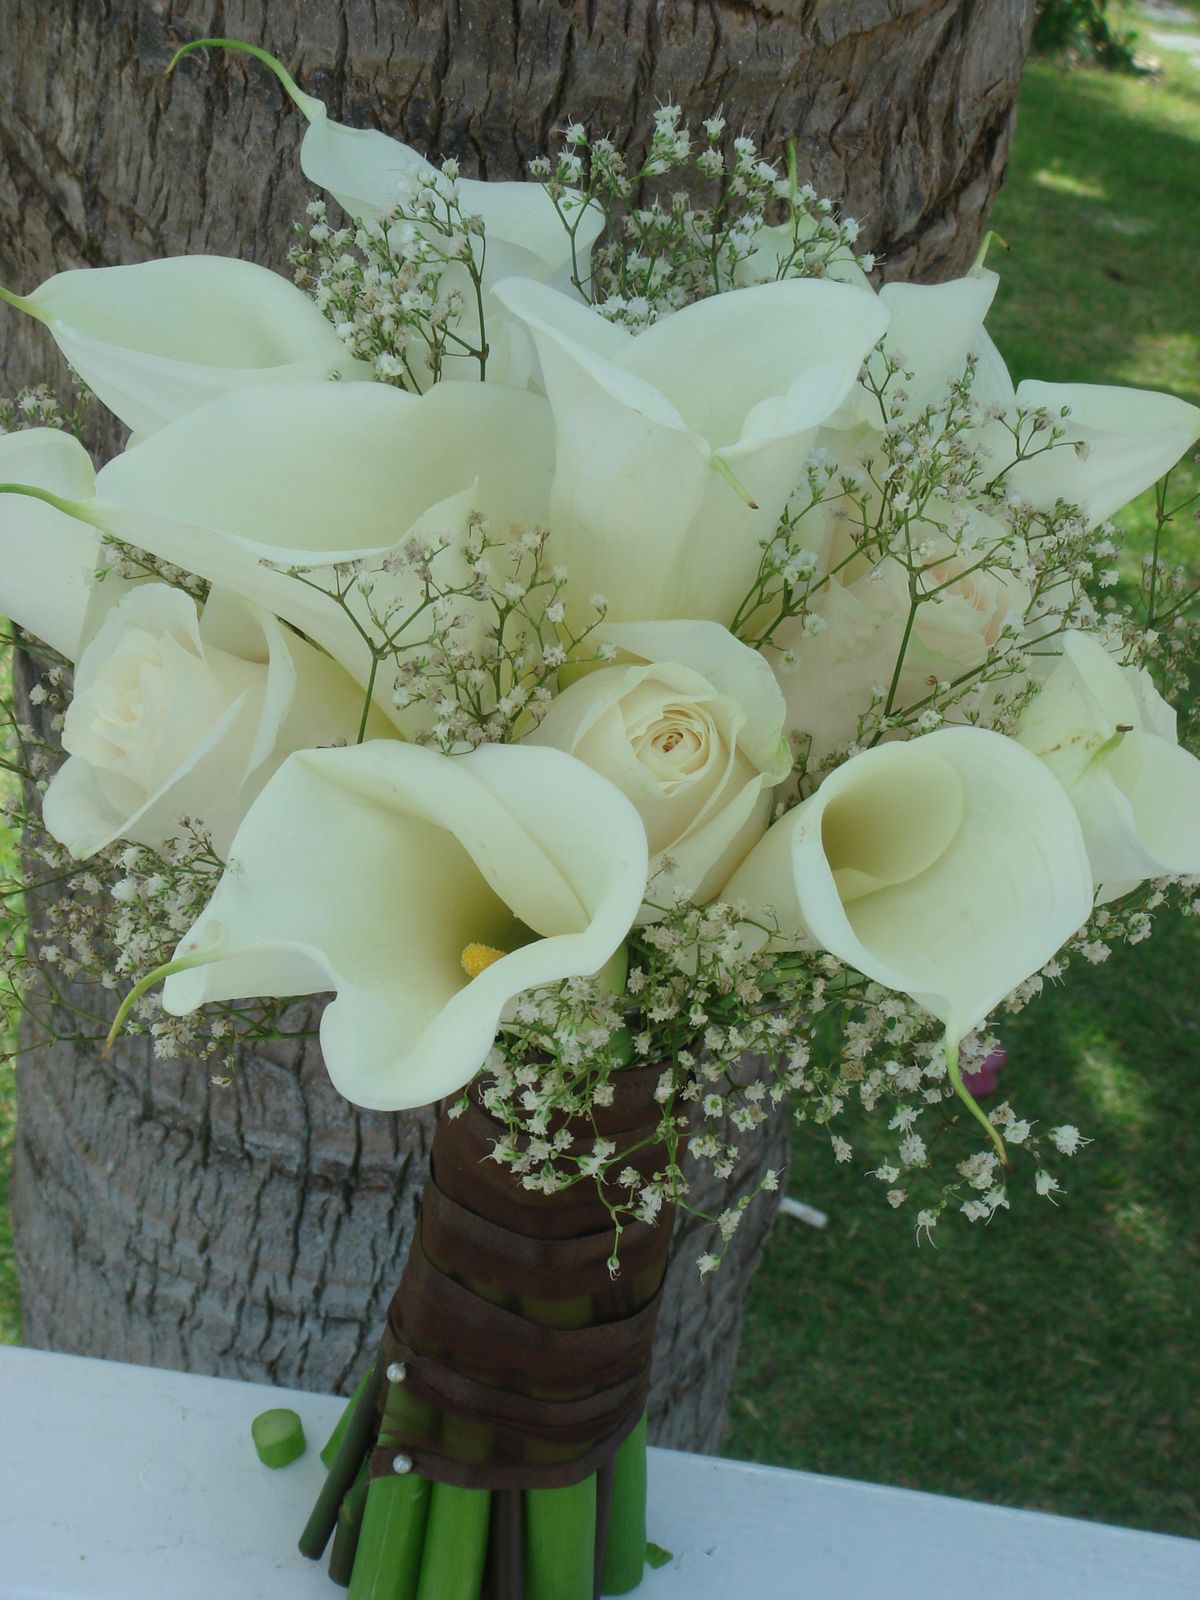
[[456, 1539], [625, 1549], [560, 1542], [390, 1542]]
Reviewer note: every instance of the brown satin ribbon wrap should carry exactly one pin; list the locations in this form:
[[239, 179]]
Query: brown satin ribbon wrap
[[526, 1363]]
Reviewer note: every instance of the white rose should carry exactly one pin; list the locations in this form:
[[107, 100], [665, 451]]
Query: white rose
[[691, 731], [864, 608], [1109, 738], [184, 713], [427, 891]]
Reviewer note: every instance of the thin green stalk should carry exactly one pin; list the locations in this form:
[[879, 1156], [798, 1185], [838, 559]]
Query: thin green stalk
[[357, 1439], [455, 1549], [330, 1448], [391, 1540], [560, 1542], [625, 1549], [349, 1526]]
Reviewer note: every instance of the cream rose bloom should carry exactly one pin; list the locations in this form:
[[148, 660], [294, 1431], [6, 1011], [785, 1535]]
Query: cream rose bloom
[[185, 712], [829, 676], [689, 727], [1109, 738]]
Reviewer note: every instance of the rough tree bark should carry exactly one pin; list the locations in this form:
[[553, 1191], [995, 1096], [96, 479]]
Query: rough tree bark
[[257, 1230]]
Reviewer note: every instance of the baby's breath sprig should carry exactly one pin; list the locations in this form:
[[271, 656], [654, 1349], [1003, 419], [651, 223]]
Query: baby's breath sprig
[[403, 292], [689, 220]]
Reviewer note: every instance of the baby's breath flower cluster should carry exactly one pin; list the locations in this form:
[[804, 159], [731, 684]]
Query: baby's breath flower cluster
[[466, 641], [396, 288], [38, 406], [664, 251], [102, 924]]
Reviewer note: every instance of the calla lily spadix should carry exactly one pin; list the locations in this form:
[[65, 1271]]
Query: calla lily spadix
[[1109, 738], [47, 556], [950, 867], [371, 871], [156, 339], [676, 449], [307, 475]]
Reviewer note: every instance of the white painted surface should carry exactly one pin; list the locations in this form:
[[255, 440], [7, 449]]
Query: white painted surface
[[127, 1483]]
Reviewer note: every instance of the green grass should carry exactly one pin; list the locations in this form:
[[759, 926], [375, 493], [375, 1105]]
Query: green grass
[[1050, 1361]]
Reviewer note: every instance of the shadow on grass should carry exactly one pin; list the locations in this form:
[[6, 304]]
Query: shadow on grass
[[1048, 1360], [1103, 235]]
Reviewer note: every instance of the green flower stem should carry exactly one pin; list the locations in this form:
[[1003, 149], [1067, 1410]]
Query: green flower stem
[[357, 1440], [387, 1565], [969, 1100], [330, 1447], [456, 1537], [625, 1549], [310, 107], [560, 1542], [349, 1526]]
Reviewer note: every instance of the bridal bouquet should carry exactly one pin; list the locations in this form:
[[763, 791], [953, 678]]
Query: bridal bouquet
[[645, 675]]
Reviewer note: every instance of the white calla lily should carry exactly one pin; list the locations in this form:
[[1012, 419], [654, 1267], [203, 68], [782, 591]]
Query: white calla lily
[[950, 867], [47, 557], [527, 234], [306, 476], [676, 449], [690, 728], [1116, 443], [178, 712], [1109, 738], [371, 871], [933, 328], [156, 339]]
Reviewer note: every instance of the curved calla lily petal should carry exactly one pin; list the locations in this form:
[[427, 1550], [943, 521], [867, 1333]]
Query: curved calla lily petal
[[676, 450], [1117, 443], [156, 339], [935, 327], [370, 871], [184, 713], [950, 868], [307, 475], [527, 235], [690, 728], [47, 557], [1109, 738]]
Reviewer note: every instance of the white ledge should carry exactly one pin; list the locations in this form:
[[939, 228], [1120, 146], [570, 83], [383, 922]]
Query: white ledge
[[130, 1483]]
